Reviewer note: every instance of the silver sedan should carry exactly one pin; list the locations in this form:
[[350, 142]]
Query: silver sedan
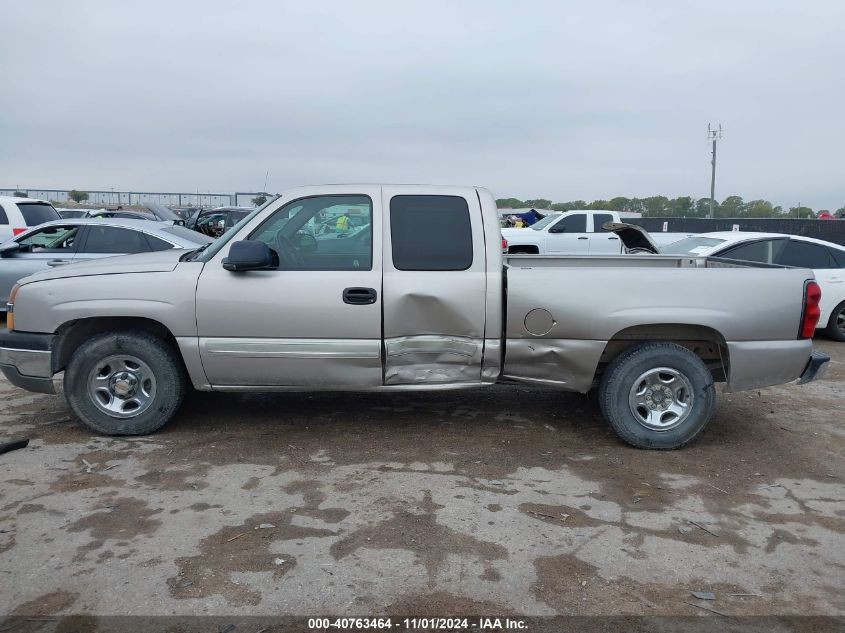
[[64, 242]]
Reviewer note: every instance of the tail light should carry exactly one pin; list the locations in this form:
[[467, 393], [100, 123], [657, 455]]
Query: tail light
[[17, 231], [504, 245], [812, 312]]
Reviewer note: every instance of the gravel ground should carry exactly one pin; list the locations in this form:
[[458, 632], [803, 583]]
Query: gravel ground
[[505, 500]]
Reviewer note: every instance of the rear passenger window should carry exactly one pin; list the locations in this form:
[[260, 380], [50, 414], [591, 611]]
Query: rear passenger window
[[110, 239], [157, 244], [4, 219], [430, 233], [752, 252], [805, 255], [599, 220]]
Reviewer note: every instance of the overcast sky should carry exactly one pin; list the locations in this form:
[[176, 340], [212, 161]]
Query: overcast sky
[[564, 100]]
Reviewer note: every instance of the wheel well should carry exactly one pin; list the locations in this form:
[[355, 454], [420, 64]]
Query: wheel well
[[525, 249], [72, 334], [705, 342]]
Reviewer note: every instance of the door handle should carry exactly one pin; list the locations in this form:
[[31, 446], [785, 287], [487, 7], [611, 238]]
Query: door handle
[[57, 262], [359, 296], [613, 238], [583, 238]]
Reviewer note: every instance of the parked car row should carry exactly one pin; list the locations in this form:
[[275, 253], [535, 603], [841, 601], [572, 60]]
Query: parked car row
[[62, 242]]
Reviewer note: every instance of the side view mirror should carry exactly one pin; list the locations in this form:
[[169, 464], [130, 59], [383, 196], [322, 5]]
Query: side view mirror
[[557, 229], [8, 248], [250, 255]]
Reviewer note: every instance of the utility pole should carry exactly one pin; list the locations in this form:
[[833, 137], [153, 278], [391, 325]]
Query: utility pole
[[714, 134]]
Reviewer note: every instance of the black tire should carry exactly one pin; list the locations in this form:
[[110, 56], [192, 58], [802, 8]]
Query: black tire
[[619, 380], [160, 358], [833, 329]]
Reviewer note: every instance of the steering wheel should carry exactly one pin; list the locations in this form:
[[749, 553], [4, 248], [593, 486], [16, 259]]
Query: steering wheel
[[288, 254], [306, 242]]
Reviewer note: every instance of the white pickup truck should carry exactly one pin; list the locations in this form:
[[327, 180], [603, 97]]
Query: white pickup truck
[[573, 233], [398, 304]]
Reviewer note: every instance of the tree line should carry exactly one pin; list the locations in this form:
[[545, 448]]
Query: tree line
[[681, 207]]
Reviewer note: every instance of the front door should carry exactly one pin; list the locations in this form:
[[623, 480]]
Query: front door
[[435, 286], [41, 249], [315, 320], [568, 235]]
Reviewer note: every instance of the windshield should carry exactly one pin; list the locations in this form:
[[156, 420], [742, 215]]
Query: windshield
[[211, 249], [691, 246], [537, 226]]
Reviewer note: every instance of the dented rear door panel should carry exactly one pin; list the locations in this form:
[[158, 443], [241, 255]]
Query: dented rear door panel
[[434, 320]]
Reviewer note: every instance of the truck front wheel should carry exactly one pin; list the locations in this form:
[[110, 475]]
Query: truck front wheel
[[657, 395], [124, 383]]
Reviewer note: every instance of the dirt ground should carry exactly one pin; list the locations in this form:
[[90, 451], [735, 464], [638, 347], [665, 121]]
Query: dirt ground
[[506, 500]]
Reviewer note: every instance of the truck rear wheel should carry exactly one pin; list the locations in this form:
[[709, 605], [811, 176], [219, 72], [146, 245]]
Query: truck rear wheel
[[657, 395], [124, 383]]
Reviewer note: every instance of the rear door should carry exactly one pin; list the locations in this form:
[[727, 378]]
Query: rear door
[[43, 248], [568, 235], [434, 286], [602, 242]]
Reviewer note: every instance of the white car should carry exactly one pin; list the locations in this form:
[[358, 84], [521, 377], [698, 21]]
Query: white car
[[19, 214], [573, 233], [827, 261]]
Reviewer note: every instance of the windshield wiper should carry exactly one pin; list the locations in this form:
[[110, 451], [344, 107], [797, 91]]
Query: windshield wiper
[[192, 255]]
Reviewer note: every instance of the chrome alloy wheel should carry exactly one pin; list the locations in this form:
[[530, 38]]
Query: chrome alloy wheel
[[661, 399], [122, 386]]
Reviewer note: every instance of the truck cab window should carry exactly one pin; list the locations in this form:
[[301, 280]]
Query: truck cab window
[[430, 233], [321, 233], [571, 224]]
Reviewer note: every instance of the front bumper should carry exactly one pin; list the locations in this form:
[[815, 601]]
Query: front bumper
[[815, 368], [26, 359]]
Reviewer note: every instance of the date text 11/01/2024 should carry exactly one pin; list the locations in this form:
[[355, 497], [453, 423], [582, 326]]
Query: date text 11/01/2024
[[419, 624]]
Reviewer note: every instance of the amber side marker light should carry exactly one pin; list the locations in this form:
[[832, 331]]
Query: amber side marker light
[[10, 308]]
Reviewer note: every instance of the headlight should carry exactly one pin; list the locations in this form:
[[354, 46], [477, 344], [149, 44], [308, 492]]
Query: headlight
[[10, 307]]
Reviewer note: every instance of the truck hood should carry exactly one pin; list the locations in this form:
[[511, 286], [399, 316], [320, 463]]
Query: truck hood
[[158, 262], [632, 236], [521, 235]]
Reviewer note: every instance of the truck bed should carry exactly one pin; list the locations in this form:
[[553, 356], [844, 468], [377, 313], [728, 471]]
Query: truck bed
[[562, 323]]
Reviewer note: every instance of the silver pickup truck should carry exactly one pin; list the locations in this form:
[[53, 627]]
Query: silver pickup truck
[[371, 287]]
